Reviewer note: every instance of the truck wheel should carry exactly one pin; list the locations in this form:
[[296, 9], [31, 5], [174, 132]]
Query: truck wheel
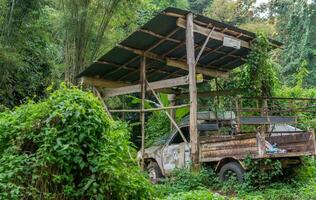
[[232, 168], [154, 172]]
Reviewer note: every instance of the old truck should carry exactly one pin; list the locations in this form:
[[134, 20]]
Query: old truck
[[224, 148]]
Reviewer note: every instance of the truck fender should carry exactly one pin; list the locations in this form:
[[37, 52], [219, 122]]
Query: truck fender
[[148, 160], [223, 161]]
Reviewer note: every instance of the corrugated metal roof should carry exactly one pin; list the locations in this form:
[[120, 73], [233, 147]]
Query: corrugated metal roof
[[163, 38]]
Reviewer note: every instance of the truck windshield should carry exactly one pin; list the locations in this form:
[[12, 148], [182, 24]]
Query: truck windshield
[[162, 140]]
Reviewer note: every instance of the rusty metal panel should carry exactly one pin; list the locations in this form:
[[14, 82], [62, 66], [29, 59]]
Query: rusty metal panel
[[221, 138], [294, 143], [217, 147]]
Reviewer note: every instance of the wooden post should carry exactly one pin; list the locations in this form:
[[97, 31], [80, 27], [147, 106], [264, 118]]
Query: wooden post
[[172, 99], [194, 138], [142, 113], [238, 113]]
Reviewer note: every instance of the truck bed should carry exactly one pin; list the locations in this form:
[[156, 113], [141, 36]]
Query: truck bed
[[295, 144]]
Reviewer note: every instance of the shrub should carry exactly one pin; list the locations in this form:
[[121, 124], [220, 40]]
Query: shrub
[[66, 147], [261, 172]]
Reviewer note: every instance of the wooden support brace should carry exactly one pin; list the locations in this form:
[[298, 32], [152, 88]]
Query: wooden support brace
[[168, 83], [142, 113], [171, 119], [177, 63], [149, 109], [204, 45], [199, 69], [205, 31], [97, 93]]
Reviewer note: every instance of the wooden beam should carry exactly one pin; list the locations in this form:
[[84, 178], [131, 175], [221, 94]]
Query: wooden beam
[[142, 53], [149, 109], [206, 24], [211, 94], [204, 45], [176, 63], [216, 35], [194, 137], [202, 70], [142, 113], [154, 45], [98, 82], [184, 80], [182, 43]]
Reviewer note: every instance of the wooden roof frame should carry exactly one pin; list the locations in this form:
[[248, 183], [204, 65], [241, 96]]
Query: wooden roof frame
[[199, 27]]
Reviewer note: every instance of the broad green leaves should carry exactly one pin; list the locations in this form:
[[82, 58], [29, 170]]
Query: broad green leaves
[[66, 147]]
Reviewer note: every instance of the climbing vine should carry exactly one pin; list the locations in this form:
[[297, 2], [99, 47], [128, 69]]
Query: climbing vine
[[66, 147], [260, 70]]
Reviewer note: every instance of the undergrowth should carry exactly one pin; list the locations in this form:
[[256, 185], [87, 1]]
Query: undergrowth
[[259, 184], [66, 147]]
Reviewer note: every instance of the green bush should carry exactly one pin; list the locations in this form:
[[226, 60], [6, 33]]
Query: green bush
[[257, 176], [66, 147]]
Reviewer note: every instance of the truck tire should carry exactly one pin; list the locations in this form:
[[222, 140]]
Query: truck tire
[[232, 167], [154, 172]]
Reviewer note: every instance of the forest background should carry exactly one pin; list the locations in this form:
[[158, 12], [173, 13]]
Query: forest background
[[49, 41]]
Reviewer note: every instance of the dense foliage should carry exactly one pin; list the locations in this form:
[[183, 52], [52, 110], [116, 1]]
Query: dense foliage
[[44, 41], [66, 147], [205, 185]]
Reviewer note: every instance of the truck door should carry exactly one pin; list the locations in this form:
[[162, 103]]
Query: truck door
[[177, 153]]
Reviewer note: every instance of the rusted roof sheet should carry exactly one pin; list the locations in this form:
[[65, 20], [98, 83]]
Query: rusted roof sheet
[[164, 38]]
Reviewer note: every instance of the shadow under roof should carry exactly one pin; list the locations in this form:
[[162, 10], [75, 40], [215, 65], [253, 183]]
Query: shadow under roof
[[163, 38]]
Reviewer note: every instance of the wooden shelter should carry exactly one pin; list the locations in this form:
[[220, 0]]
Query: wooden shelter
[[171, 50]]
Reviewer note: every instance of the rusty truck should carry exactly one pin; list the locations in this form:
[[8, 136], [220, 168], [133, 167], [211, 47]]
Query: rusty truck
[[224, 146]]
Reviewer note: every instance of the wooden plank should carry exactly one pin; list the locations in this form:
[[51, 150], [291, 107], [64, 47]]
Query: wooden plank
[[151, 109], [205, 31], [98, 82], [207, 24], [176, 63], [204, 45], [142, 113], [209, 94], [155, 86], [202, 70], [181, 43], [194, 137]]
